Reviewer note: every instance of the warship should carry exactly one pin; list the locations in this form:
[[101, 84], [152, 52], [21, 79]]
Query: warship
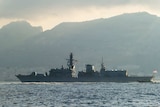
[[69, 74]]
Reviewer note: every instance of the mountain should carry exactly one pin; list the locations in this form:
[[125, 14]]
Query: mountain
[[15, 33], [128, 41]]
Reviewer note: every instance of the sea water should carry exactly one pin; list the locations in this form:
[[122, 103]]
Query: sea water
[[91, 94]]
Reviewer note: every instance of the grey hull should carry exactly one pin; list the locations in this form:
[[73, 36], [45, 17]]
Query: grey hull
[[25, 78]]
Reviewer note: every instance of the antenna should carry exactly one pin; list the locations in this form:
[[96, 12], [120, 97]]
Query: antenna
[[102, 66], [71, 64], [71, 61]]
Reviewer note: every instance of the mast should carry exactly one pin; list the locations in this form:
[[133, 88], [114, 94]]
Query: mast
[[102, 66], [71, 64]]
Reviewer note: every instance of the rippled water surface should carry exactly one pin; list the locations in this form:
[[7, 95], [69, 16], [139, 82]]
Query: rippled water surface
[[79, 94]]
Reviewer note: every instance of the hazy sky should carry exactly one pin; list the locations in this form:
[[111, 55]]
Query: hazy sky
[[49, 13]]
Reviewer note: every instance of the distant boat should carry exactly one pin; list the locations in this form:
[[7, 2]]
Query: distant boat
[[90, 75]]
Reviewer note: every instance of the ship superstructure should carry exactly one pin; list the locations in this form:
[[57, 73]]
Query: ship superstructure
[[89, 75]]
